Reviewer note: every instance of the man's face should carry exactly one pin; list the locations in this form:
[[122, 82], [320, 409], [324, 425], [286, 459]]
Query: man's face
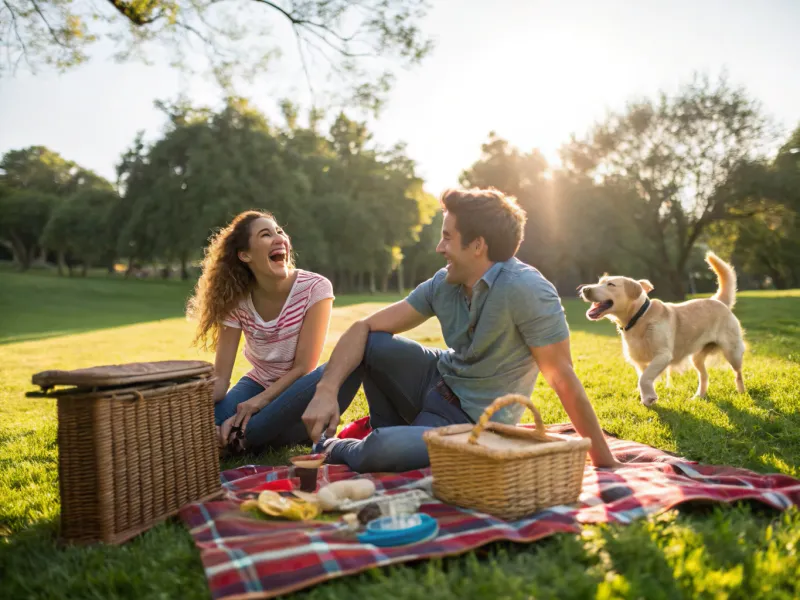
[[459, 260]]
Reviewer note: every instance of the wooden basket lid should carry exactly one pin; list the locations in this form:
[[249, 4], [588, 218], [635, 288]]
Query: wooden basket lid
[[503, 442], [127, 374], [500, 441]]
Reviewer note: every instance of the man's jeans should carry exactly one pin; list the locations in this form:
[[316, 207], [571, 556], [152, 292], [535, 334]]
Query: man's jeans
[[401, 383]]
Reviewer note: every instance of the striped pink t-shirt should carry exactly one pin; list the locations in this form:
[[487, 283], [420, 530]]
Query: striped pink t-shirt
[[270, 346]]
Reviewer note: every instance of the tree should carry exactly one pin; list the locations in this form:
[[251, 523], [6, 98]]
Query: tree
[[690, 159], [769, 243], [35, 180], [348, 207], [357, 42], [23, 215], [83, 227]]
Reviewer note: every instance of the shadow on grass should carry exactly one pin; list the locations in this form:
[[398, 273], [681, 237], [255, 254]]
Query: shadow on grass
[[766, 440]]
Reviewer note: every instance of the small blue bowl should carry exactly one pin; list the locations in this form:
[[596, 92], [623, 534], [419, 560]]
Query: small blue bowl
[[384, 531]]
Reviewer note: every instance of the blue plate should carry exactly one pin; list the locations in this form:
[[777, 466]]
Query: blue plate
[[384, 532]]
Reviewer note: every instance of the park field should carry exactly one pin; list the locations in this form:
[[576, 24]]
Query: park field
[[700, 552]]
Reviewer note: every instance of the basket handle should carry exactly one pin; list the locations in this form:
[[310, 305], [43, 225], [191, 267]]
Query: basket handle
[[501, 403]]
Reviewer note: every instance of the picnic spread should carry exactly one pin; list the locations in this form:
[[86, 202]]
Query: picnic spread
[[248, 556]]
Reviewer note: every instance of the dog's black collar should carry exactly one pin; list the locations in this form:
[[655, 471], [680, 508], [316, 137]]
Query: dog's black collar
[[638, 315]]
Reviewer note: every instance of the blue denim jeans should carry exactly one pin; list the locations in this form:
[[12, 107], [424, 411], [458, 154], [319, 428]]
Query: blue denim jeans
[[278, 424], [400, 381]]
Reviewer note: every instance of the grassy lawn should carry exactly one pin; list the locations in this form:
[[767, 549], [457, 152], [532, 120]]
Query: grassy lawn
[[706, 552]]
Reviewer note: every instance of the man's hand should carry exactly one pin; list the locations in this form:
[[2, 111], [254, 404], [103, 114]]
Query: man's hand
[[322, 414]]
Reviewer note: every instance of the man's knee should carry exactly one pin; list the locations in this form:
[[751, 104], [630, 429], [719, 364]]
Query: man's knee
[[390, 449], [378, 348]]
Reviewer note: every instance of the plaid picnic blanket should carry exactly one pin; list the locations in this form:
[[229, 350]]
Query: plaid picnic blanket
[[249, 558]]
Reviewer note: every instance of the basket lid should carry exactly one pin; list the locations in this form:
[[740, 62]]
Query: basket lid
[[502, 442], [127, 374]]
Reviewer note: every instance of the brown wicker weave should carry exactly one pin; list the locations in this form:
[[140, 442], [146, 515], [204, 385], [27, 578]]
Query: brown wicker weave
[[506, 471], [130, 457]]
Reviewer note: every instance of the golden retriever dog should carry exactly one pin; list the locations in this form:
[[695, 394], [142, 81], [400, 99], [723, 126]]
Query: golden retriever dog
[[660, 335]]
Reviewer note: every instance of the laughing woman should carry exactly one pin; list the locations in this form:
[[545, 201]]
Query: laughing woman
[[249, 285]]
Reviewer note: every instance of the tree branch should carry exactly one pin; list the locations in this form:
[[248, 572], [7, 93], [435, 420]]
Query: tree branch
[[24, 48], [132, 15], [305, 66], [47, 24]]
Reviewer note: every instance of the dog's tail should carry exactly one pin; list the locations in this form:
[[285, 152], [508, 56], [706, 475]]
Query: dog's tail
[[727, 279]]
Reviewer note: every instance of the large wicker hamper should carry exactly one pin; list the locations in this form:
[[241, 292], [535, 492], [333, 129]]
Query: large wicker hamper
[[136, 442], [506, 471]]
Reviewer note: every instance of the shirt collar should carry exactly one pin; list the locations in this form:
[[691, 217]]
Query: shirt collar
[[492, 272]]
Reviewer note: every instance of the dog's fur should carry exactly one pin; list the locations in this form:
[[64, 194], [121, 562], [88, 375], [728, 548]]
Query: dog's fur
[[666, 334]]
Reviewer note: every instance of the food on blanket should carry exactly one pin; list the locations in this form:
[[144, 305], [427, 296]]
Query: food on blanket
[[306, 497], [275, 505], [369, 513], [308, 461], [308, 478], [351, 521], [249, 505], [332, 495], [306, 468]]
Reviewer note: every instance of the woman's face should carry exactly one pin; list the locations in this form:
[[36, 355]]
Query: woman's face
[[269, 249]]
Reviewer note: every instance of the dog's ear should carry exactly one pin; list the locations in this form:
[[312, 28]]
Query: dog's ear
[[646, 285], [633, 289]]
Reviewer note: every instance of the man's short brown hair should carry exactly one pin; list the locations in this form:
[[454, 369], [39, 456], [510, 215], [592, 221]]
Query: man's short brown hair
[[489, 214]]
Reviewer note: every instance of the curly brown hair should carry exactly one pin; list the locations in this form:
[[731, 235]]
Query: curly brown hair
[[225, 279]]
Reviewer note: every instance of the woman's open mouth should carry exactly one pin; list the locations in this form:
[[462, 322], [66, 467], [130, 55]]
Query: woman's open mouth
[[597, 309], [278, 256]]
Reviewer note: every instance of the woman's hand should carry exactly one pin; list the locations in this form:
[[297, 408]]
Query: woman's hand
[[238, 423], [244, 411]]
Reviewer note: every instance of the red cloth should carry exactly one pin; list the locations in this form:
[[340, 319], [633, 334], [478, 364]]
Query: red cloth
[[356, 430], [249, 558]]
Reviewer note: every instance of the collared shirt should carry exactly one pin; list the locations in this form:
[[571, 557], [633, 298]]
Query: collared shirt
[[513, 308]]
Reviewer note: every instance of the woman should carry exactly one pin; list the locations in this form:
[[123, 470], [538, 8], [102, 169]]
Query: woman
[[250, 285]]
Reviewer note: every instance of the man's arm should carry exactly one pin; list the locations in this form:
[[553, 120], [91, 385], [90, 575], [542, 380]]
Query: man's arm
[[322, 413], [555, 363]]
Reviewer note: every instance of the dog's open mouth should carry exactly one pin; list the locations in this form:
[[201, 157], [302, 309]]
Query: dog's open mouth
[[597, 309]]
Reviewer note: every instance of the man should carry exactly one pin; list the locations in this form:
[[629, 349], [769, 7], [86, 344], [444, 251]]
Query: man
[[502, 321]]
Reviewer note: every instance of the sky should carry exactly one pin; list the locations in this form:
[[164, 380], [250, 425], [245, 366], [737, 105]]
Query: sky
[[535, 72]]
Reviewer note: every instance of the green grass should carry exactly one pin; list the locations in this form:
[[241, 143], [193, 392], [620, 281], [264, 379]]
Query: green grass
[[707, 552]]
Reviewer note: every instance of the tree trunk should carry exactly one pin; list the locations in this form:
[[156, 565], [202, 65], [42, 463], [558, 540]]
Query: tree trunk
[[372, 287], [21, 254], [675, 289], [184, 267], [778, 280], [84, 269], [400, 274], [61, 261]]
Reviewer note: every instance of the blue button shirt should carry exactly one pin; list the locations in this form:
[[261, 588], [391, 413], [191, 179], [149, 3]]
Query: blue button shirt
[[513, 308]]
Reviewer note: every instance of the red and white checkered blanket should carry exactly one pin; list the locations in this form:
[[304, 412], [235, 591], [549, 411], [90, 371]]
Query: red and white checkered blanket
[[249, 558]]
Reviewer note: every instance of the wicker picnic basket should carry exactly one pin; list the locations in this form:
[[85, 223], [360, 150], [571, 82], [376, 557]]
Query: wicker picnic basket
[[136, 442], [503, 470]]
